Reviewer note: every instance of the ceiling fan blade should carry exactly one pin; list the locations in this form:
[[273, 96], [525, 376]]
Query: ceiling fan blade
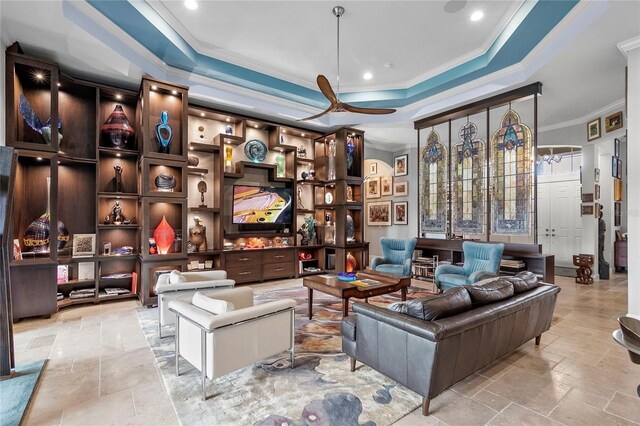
[[360, 110], [325, 88], [326, 111]]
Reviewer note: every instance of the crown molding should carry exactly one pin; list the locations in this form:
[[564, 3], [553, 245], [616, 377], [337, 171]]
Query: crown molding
[[585, 118], [629, 45]]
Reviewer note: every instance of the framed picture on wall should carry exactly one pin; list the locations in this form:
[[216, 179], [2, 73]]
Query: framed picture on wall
[[619, 168], [401, 213], [587, 198], [379, 213], [373, 187], [386, 185], [401, 189], [596, 175], [593, 129], [401, 165], [587, 210], [617, 190], [616, 147], [613, 122], [617, 213], [597, 192], [614, 166], [373, 168], [84, 245]]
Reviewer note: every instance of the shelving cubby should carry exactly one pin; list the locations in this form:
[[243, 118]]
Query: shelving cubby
[[116, 272], [77, 105], [153, 209], [205, 125], [152, 168], [148, 272], [109, 99]]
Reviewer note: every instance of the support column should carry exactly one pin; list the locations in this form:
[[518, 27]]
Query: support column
[[631, 49]]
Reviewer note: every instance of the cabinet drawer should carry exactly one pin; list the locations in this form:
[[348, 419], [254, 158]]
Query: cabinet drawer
[[278, 256], [278, 270], [244, 275], [244, 258]]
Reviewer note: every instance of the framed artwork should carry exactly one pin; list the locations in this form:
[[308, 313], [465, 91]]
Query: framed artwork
[[379, 213], [613, 122], [587, 210], [63, 274], [596, 175], [373, 187], [616, 147], [84, 245], [617, 190], [86, 270], [386, 185], [593, 129], [587, 198], [401, 165], [597, 208], [614, 166], [619, 168], [617, 213], [400, 213], [17, 251], [373, 168], [401, 189], [597, 192]]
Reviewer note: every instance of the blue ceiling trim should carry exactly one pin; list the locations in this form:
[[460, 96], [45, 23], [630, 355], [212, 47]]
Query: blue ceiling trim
[[531, 23]]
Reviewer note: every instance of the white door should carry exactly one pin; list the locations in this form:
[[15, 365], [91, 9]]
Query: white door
[[543, 216]]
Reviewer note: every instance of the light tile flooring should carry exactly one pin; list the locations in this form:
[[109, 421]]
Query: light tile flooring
[[101, 370]]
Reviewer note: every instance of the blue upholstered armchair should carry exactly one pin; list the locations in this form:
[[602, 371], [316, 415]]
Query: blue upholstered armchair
[[481, 260], [397, 255]]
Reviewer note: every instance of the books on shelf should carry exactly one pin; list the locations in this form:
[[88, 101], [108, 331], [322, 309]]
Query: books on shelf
[[512, 263], [115, 276], [63, 274], [82, 293], [111, 291], [59, 296]]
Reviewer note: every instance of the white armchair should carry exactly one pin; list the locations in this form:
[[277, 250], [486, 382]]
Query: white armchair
[[222, 343], [173, 286]]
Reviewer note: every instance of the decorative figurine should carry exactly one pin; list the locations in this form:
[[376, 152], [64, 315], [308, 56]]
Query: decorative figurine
[[164, 133], [228, 130], [281, 138], [193, 161], [312, 174], [302, 152], [228, 152], [299, 199], [202, 188], [31, 118], [603, 265], [198, 235], [165, 182], [118, 172], [116, 213], [331, 171], [280, 166], [164, 236], [329, 230], [304, 175], [36, 236], [350, 149], [117, 130], [349, 193], [307, 230]]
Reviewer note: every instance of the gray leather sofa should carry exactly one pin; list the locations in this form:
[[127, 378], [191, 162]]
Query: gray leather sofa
[[432, 343]]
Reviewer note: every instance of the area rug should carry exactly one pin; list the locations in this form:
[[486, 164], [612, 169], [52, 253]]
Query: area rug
[[319, 390], [16, 392]]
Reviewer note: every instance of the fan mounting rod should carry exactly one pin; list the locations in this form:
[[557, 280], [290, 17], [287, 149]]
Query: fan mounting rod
[[338, 11]]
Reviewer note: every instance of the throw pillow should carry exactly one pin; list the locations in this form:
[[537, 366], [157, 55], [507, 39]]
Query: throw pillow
[[176, 277], [529, 277], [400, 307], [492, 292], [449, 303], [520, 285], [209, 304]]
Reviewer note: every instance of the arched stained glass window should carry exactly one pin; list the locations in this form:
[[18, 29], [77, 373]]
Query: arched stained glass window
[[433, 209], [511, 158], [468, 177]]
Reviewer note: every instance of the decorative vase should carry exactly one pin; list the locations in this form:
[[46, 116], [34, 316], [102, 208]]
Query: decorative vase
[[164, 133], [351, 229], [331, 169], [228, 130], [350, 263], [228, 153], [350, 149], [193, 161], [36, 236], [165, 182], [117, 130], [164, 236], [349, 193], [280, 166]]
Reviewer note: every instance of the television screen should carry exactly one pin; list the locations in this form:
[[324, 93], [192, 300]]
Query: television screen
[[261, 204]]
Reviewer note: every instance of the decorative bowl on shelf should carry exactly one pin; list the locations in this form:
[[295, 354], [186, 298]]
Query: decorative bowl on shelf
[[346, 276], [255, 151]]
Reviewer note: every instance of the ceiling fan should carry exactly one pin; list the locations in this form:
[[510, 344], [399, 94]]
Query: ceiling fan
[[327, 91]]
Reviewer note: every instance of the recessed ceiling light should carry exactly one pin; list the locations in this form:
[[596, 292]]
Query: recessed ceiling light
[[228, 119], [191, 148], [154, 87], [39, 76], [39, 158], [118, 154], [202, 114], [191, 4], [303, 135], [59, 84], [118, 96], [477, 15], [284, 131], [174, 92], [367, 75], [255, 125]]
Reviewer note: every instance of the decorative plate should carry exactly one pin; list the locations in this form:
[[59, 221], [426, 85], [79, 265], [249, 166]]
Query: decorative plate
[[328, 198], [255, 151]]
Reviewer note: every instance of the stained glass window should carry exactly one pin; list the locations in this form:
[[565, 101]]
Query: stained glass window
[[433, 188], [468, 175], [511, 173]]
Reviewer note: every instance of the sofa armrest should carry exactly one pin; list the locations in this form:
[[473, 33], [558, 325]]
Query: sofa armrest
[[185, 309], [448, 269], [166, 286], [425, 329], [377, 261]]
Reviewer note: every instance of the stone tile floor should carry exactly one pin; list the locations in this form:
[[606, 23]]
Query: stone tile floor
[[101, 370]]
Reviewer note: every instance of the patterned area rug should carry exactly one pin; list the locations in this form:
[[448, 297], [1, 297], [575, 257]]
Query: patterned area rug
[[320, 389]]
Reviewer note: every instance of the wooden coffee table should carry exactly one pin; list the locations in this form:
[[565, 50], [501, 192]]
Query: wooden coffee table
[[329, 284]]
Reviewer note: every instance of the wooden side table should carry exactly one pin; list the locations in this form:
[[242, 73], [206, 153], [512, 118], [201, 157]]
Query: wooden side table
[[584, 262]]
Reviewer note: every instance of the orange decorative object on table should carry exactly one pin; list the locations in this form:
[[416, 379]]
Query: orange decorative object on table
[[164, 236], [351, 262]]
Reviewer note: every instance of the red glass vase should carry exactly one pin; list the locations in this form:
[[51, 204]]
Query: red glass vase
[[351, 262], [164, 236]]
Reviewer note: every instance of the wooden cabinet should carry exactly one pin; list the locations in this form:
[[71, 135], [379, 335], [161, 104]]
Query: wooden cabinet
[[257, 265], [620, 255]]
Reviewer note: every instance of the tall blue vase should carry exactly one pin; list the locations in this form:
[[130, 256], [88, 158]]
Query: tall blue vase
[[164, 133]]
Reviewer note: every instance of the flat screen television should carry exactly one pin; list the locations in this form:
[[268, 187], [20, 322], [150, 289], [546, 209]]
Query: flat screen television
[[262, 205]]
